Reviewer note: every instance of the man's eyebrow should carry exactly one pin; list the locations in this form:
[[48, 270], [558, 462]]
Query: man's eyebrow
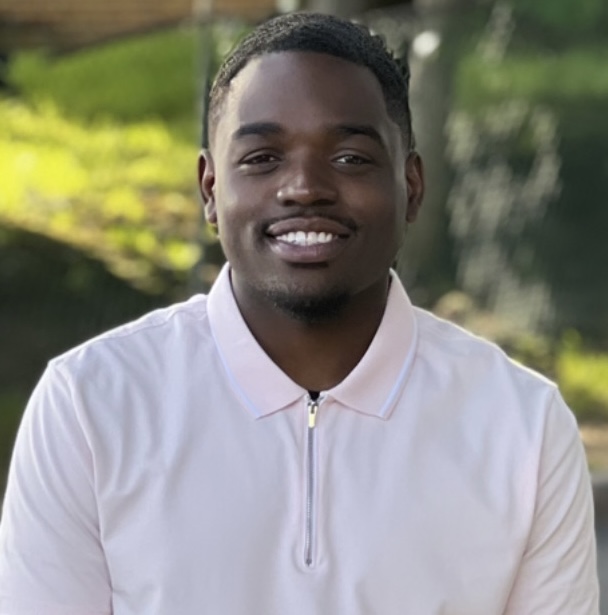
[[260, 129], [350, 130]]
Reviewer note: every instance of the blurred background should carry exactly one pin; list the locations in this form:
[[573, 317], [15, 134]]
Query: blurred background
[[100, 124]]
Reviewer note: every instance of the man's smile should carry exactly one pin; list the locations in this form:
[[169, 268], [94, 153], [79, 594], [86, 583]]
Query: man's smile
[[318, 225], [309, 240]]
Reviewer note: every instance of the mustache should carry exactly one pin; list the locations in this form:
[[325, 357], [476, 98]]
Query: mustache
[[310, 213]]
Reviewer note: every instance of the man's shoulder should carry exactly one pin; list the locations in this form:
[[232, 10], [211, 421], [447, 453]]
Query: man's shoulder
[[451, 345], [155, 331], [474, 378]]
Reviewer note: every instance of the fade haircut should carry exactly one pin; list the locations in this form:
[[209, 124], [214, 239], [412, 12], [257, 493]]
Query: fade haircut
[[315, 32]]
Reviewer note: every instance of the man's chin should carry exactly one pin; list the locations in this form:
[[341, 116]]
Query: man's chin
[[309, 309]]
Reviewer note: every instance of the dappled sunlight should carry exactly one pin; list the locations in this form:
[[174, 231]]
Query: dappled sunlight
[[124, 193]]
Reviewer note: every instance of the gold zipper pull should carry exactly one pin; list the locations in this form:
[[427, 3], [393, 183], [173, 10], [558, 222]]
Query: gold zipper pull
[[313, 406]]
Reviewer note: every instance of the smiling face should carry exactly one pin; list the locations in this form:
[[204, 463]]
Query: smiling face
[[308, 182]]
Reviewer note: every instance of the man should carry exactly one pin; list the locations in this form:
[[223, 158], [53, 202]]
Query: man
[[302, 440]]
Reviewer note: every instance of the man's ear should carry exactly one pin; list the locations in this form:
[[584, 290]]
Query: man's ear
[[206, 184], [414, 174]]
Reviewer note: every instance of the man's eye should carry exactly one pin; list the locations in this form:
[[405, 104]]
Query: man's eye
[[353, 159], [259, 159]]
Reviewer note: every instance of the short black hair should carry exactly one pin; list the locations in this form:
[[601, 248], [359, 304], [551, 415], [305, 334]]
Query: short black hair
[[320, 33]]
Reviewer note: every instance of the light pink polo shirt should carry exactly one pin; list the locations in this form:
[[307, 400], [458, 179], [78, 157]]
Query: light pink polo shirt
[[170, 468]]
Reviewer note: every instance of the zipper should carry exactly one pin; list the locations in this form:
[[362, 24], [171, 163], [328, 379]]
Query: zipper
[[311, 480]]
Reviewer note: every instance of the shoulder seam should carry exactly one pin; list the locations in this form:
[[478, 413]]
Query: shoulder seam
[[126, 330]]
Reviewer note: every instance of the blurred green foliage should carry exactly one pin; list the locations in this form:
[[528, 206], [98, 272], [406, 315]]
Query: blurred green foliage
[[583, 379], [531, 92], [568, 17], [123, 193], [151, 76], [98, 151], [542, 77]]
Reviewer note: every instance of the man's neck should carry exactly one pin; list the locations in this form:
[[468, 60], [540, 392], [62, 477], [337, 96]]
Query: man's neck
[[317, 356]]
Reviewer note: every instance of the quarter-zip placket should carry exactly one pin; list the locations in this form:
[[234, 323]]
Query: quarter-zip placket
[[311, 480]]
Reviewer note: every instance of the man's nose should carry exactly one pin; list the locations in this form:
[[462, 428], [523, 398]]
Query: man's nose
[[307, 182]]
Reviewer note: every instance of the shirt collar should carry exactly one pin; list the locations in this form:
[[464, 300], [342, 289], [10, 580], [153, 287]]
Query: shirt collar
[[373, 386]]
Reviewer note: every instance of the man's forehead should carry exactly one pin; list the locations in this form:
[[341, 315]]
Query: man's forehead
[[292, 85]]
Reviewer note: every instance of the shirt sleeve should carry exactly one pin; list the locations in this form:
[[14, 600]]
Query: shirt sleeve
[[51, 557], [558, 573]]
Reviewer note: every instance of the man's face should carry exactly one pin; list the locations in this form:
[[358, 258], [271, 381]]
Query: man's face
[[307, 180]]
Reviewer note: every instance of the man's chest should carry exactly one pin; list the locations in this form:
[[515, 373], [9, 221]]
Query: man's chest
[[357, 516]]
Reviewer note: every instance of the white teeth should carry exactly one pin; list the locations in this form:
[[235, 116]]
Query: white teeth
[[300, 238]]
